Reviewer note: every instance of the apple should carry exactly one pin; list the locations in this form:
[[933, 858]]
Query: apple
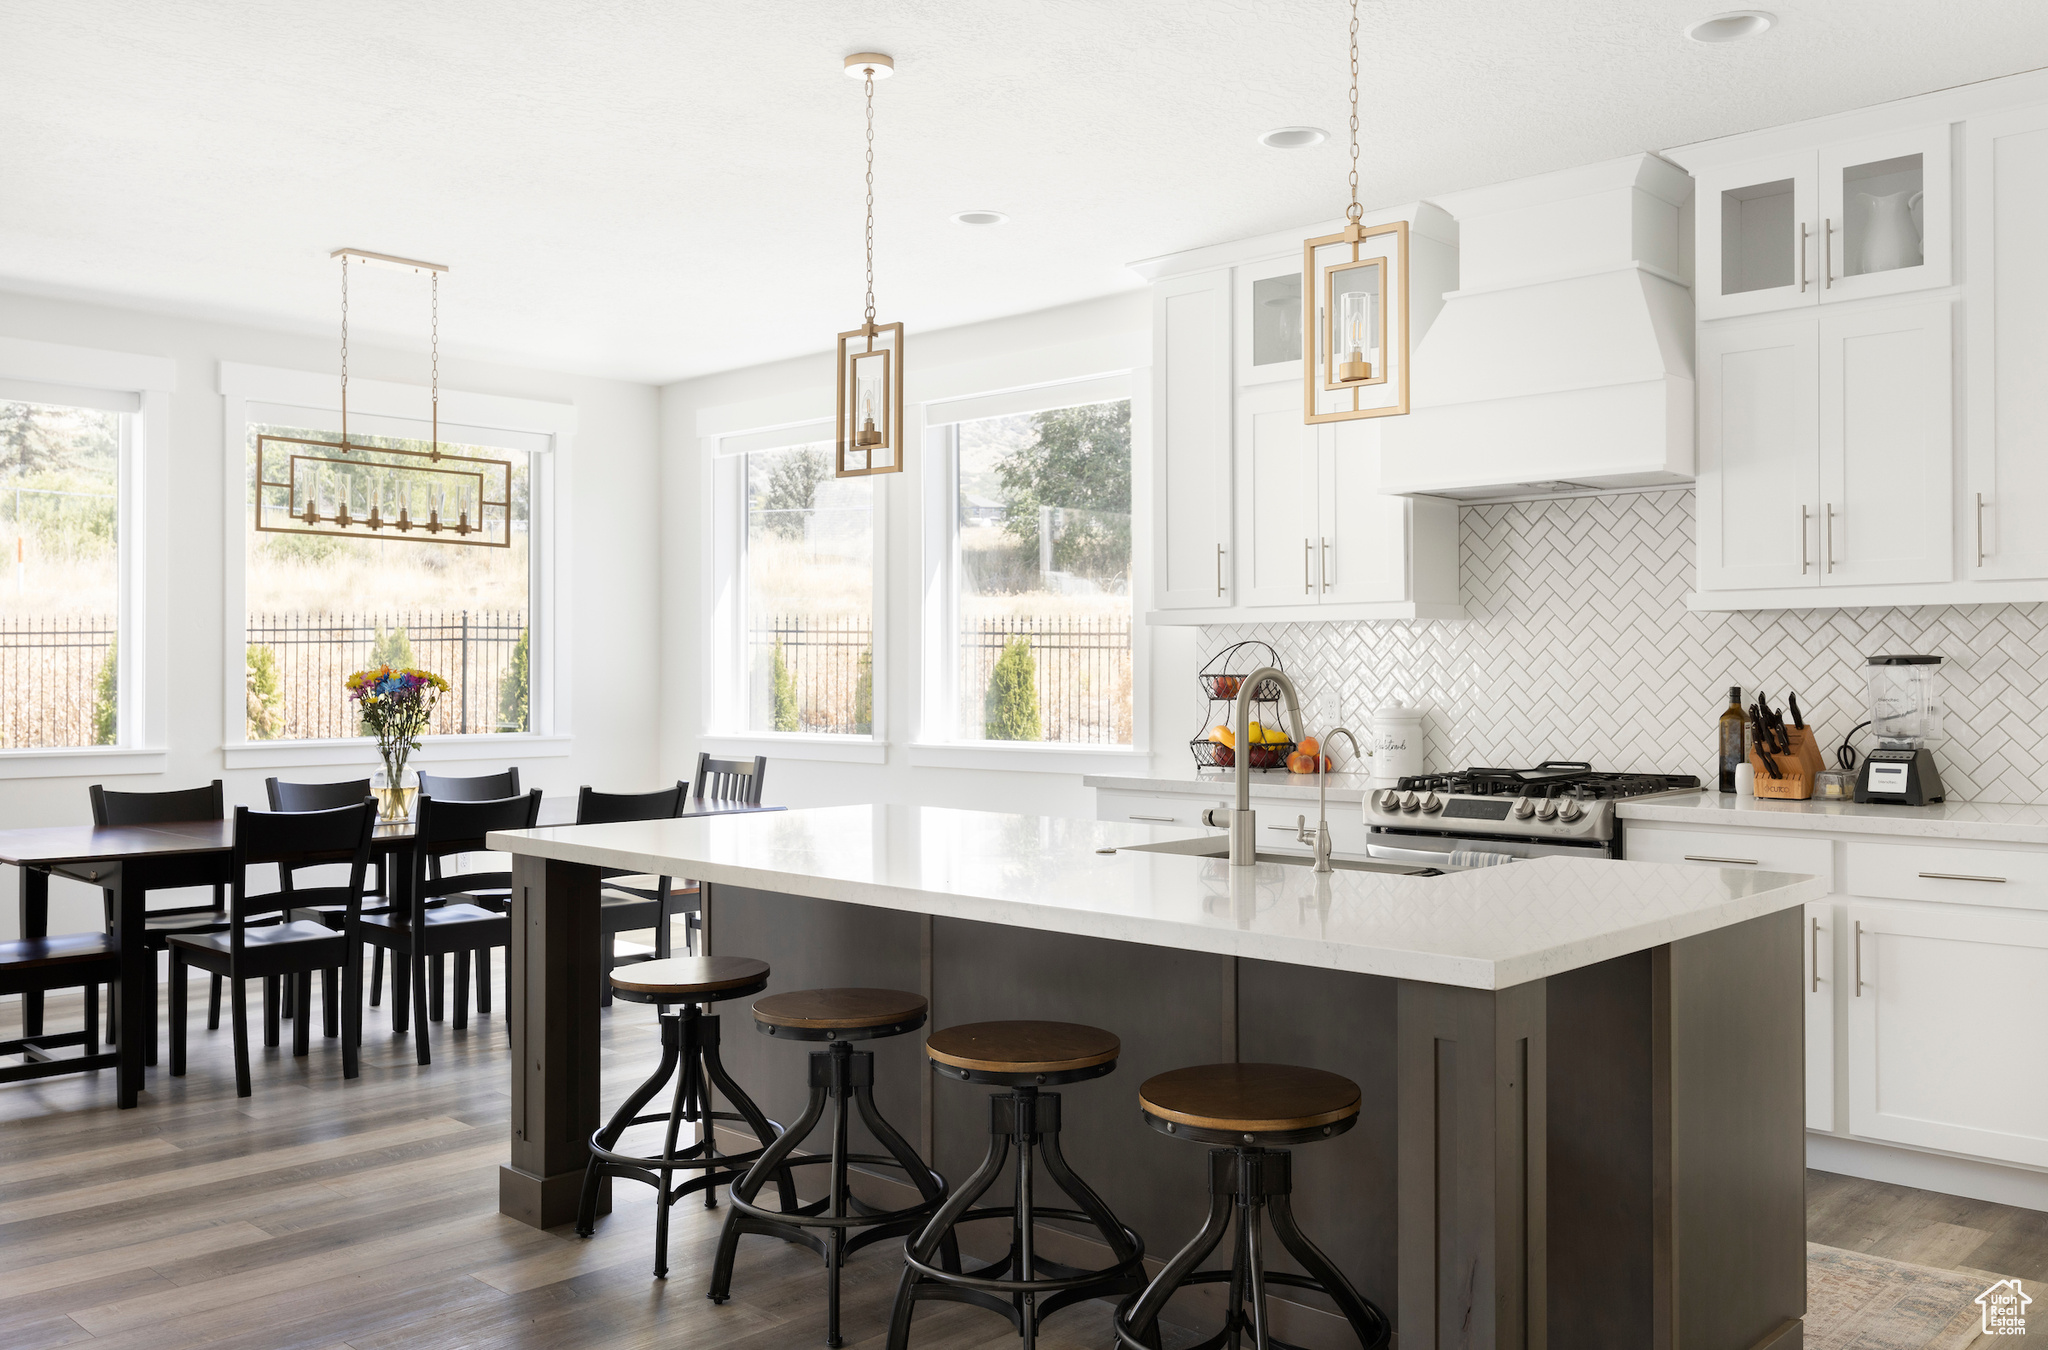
[[1227, 686], [1223, 757], [1264, 757]]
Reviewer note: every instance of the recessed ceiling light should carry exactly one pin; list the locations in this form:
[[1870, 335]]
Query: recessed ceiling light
[[1293, 138], [1733, 26], [979, 218]]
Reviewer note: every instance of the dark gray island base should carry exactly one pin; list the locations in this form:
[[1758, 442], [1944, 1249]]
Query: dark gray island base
[[1610, 1156]]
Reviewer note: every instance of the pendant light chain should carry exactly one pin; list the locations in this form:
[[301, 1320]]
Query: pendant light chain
[[344, 351], [434, 347], [871, 197], [1354, 212]]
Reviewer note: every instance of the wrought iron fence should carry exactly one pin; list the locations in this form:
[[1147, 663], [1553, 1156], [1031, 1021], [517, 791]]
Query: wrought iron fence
[[813, 672], [1081, 670], [57, 680], [296, 692]]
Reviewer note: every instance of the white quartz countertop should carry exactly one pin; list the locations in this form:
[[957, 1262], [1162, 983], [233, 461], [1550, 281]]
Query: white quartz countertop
[[1999, 822], [1488, 928], [1344, 787]]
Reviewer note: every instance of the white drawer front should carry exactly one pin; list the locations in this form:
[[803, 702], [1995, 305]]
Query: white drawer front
[[1163, 810], [2008, 878], [1761, 851]]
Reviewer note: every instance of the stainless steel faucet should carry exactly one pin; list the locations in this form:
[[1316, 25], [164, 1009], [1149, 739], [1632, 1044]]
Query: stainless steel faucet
[[1243, 822], [1323, 794]]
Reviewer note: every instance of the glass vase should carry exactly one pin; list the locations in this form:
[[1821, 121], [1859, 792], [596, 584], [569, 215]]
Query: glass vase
[[396, 787]]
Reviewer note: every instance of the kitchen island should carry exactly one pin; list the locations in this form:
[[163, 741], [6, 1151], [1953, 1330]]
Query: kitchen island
[[1582, 1079]]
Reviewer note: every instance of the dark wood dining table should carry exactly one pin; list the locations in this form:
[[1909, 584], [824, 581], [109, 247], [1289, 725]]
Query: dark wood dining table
[[129, 861]]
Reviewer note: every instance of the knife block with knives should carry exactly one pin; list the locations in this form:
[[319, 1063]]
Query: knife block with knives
[[1785, 757]]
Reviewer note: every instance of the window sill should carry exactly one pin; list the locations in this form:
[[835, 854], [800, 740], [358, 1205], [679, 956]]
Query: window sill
[[1026, 758], [797, 745], [435, 751], [80, 762]]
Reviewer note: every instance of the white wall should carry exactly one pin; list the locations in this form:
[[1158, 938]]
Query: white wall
[[613, 586], [1094, 337]]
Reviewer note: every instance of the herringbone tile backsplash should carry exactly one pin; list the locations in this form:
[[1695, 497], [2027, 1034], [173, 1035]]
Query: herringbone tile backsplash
[[1579, 646]]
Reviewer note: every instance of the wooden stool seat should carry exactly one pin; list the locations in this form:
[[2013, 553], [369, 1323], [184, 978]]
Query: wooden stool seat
[[838, 1009], [689, 977], [1250, 1098], [1023, 1047]]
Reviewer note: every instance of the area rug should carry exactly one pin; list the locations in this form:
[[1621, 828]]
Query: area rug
[[1859, 1302]]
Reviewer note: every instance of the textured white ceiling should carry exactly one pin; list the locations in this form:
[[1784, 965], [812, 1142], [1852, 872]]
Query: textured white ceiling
[[659, 189]]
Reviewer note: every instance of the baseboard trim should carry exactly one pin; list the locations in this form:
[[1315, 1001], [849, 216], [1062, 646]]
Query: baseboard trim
[[1971, 1178]]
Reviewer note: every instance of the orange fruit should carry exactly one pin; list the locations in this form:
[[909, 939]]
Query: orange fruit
[[1310, 745]]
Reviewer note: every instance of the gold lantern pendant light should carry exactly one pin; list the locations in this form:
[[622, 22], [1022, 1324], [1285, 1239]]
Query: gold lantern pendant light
[[868, 421], [1354, 306]]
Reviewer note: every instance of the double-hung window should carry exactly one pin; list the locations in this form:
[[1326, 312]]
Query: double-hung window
[[794, 581], [1029, 614], [62, 593]]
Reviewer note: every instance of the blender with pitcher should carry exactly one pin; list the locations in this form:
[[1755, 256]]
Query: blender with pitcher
[[1905, 714]]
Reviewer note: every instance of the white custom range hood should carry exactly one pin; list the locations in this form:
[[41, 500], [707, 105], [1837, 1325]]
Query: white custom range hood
[[1564, 359]]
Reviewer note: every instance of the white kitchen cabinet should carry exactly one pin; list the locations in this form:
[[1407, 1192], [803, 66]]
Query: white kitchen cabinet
[[1945, 1006], [2005, 516], [1275, 498], [1837, 222], [1887, 444], [1268, 322], [1191, 440], [1827, 449]]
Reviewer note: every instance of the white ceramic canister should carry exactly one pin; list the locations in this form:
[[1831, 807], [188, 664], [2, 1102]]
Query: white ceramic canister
[[1396, 743]]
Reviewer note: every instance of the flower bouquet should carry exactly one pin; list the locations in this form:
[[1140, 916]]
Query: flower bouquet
[[396, 706]]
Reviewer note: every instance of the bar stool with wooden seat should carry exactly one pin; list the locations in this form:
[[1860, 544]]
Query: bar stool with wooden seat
[[1256, 1113], [1024, 1057], [846, 1076], [689, 1055]]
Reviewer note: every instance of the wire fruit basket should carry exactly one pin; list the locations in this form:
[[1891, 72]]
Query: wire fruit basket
[[1222, 680]]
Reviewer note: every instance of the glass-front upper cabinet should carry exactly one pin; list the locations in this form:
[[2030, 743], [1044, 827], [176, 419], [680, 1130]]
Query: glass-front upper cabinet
[[1866, 218], [1269, 321]]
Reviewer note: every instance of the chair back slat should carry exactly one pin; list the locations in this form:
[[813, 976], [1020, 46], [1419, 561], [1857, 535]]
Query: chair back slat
[[314, 796], [729, 780], [157, 808], [487, 787], [610, 808], [445, 828], [294, 839]]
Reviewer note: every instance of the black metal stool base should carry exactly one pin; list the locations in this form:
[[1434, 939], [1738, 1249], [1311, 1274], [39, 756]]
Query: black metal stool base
[[1021, 1285], [689, 1054], [1245, 1181], [843, 1075]]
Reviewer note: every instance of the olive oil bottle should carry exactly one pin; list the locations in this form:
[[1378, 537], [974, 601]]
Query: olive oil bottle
[[1732, 750]]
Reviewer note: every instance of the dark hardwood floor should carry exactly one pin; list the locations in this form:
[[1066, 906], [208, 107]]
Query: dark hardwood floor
[[323, 1214]]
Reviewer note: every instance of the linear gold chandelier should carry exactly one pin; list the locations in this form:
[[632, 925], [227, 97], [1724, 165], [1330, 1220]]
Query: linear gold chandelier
[[1354, 307], [868, 417], [355, 490]]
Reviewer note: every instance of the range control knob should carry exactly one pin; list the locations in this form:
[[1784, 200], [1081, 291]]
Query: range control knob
[[1547, 809], [1571, 810], [1432, 802], [1409, 801], [1524, 808], [1390, 800]]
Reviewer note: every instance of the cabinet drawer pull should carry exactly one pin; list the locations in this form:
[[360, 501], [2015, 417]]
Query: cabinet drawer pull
[[1701, 857], [1816, 957], [1859, 958], [1959, 876], [1162, 820]]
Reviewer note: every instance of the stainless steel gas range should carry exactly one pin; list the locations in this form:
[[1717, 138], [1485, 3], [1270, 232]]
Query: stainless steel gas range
[[1560, 808]]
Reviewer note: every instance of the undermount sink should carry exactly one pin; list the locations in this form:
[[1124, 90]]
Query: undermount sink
[[1218, 846]]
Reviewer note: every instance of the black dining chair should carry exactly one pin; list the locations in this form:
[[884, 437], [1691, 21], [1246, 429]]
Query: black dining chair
[[326, 904], [420, 929], [261, 942], [632, 901], [729, 780], [82, 961], [483, 787], [160, 925]]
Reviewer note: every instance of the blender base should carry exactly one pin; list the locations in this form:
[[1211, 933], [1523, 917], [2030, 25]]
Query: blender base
[[1899, 778]]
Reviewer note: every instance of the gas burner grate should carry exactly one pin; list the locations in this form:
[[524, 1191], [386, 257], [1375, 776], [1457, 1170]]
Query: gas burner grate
[[1552, 778]]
